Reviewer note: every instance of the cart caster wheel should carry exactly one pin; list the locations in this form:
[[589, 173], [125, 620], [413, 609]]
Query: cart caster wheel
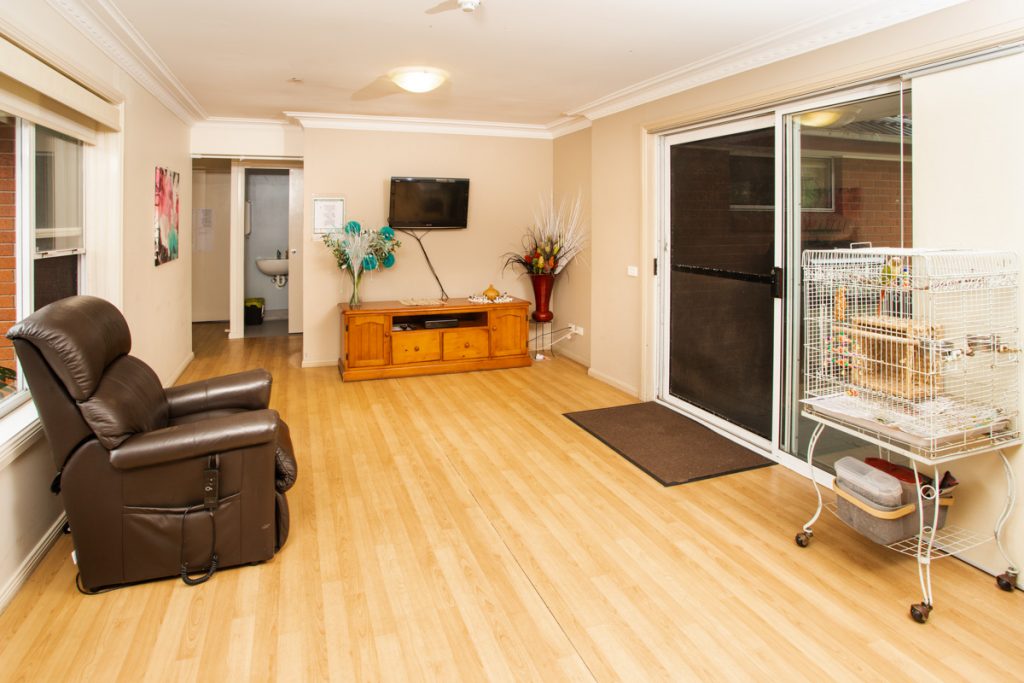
[[1006, 581], [920, 612], [803, 539]]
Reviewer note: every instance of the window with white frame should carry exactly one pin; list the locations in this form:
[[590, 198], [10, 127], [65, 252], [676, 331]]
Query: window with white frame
[[41, 229]]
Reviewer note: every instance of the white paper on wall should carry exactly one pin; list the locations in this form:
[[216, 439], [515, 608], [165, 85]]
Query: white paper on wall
[[204, 229]]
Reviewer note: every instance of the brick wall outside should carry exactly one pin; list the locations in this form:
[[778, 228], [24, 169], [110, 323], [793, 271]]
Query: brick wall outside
[[8, 169], [867, 206], [706, 231]]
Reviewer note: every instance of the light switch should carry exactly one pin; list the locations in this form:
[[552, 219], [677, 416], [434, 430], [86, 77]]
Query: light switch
[[632, 271]]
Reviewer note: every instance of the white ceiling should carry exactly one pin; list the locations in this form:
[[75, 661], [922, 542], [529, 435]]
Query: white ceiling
[[514, 61]]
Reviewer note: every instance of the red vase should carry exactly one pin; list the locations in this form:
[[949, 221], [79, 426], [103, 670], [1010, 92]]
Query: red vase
[[542, 284]]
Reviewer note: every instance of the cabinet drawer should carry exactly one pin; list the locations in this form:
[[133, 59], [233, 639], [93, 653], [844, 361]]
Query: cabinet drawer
[[470, 342], [415, 347]]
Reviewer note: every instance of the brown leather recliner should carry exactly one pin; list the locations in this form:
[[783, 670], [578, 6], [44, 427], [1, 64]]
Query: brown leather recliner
[[155, 483]]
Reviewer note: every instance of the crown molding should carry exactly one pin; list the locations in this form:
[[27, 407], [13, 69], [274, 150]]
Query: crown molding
[[567, 125], [403, 124], [239, 122], [806, 37], [109, 30]]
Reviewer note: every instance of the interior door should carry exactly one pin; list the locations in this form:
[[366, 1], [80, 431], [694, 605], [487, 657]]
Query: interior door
[[719, 292], [295, 249]]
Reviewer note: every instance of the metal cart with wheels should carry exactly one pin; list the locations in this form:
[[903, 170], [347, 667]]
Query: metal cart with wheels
[[917, 353]]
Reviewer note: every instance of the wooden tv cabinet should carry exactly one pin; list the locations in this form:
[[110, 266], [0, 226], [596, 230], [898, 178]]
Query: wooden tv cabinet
[[389, 339]]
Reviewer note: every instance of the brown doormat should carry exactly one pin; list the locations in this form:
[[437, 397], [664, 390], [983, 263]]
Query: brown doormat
[[666, 445]]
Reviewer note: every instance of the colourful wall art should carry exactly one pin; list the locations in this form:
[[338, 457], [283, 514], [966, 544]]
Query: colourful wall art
[[166, 213]]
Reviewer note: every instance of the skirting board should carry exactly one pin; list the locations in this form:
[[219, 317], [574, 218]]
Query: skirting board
[[320, 363], [571, 356], [181, 368], [29, 564], [598, 375]]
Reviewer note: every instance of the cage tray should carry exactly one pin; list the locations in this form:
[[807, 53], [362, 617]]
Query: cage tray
[[925, 425]]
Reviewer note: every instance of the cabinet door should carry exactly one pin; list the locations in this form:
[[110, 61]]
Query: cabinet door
[[508, 332], [366, 340]]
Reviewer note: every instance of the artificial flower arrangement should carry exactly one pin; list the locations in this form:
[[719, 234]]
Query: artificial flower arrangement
[[357, 251], [553, 240]]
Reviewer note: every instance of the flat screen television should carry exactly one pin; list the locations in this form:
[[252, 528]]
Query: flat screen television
[[433, 203]]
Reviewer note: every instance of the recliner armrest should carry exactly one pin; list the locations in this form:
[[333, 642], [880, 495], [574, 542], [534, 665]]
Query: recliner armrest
[[248, 390], [209, 437]]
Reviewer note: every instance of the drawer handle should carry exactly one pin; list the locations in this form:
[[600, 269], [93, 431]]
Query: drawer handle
[[467, 345], [415, 348]]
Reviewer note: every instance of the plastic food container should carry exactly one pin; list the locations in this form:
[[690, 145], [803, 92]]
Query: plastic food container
[[885, 524], [870, 483]]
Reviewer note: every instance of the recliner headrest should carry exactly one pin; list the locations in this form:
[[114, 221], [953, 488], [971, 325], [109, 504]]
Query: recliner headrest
[[79, 337]]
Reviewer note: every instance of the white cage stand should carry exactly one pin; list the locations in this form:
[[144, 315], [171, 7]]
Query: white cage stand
[[916, 352]]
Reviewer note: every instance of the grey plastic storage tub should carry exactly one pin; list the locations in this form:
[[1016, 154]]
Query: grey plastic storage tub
[[883, 523], [870, 483]]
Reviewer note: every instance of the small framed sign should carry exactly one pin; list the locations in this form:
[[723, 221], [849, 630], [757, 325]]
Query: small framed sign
[[328, 214]]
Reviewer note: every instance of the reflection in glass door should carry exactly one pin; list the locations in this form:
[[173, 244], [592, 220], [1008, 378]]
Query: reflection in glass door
[[719, 303], [851, 183]]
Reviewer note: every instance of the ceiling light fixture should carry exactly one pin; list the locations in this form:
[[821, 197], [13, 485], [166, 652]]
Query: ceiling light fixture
[[468, 5], [820, 119], [418, 78]]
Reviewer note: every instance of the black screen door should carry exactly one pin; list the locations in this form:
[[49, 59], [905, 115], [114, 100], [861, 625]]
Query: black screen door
[[721, 289]]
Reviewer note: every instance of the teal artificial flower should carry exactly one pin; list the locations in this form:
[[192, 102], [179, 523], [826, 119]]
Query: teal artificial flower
[[387, 233], [369, 262], [353, 227], [389, 260]]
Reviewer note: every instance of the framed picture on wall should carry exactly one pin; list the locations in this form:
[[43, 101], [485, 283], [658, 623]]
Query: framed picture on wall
[[817, 184], [328, 214], [165, 215], [751, 182]]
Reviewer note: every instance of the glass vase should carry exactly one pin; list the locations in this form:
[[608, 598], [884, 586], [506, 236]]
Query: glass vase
[[353, 301]]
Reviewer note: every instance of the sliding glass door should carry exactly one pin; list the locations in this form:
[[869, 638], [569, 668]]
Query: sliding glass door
[[719, 292], [740, 202], [850, 172]]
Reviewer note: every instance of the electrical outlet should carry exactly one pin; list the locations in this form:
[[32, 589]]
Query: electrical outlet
[[578, 330]]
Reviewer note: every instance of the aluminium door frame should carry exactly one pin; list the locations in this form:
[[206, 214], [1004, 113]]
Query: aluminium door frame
[[788, 145], [730, 430]]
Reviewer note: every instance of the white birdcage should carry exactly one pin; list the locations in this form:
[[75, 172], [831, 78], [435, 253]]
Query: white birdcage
[[914, 349]]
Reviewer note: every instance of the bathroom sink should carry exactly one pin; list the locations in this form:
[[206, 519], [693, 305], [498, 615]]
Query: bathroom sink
[[272, 266]]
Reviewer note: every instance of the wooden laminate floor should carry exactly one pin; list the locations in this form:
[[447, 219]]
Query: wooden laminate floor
[[458, 528]]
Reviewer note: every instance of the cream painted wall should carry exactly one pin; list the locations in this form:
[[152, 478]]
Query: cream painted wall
[[28, 512], [157, 299], [571, 299], [211, 184], [247, 140], [508, 176], [968, 175], [623, 219]]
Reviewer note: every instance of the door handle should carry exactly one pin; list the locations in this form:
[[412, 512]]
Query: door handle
[[778, 282]]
